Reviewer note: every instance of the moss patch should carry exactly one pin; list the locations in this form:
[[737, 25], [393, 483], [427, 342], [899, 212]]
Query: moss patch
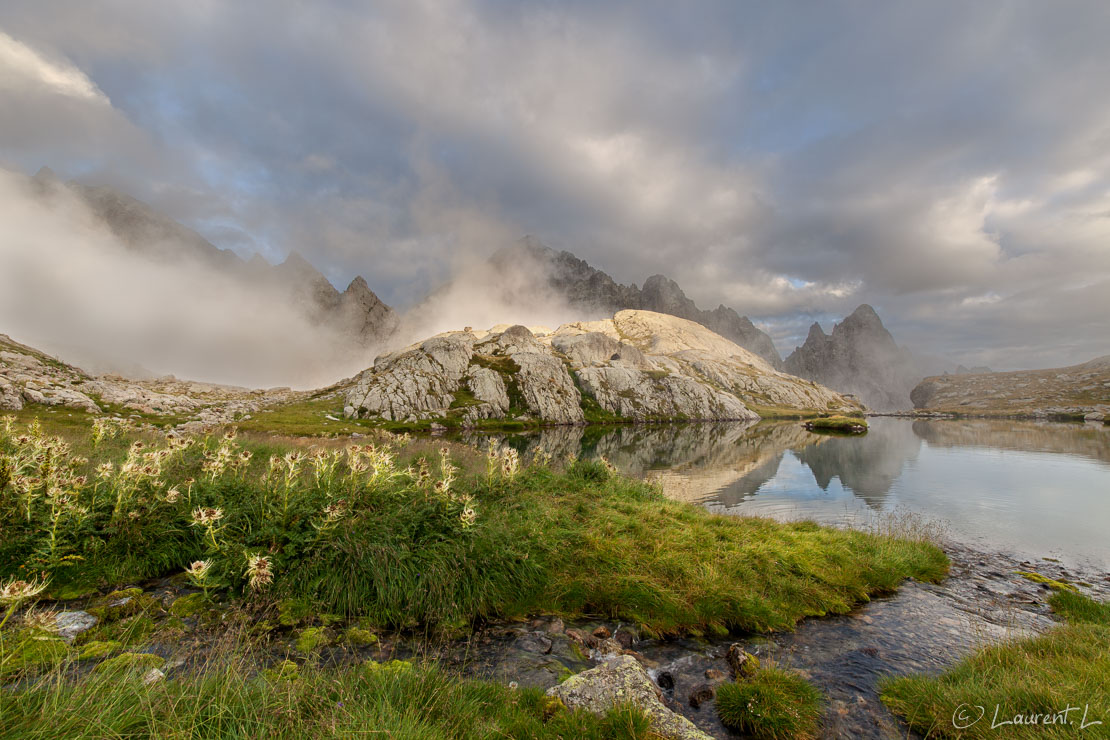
[[31, 654], [125, 603], [311, 639], [1038, 578], [191, 605], [130, 663], [359, 637], [99, 649]]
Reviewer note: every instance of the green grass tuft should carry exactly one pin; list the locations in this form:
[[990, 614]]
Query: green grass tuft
[[838, 424], [1077, 608], [774, 704]]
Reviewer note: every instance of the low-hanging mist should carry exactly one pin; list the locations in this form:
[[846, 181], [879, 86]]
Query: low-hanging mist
[[70, 287]]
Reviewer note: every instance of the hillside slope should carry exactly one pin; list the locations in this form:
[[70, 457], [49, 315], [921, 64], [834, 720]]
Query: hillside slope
[[1076, 391]]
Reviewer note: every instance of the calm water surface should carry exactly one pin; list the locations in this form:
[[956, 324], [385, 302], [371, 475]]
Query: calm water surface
[[1025, 488]]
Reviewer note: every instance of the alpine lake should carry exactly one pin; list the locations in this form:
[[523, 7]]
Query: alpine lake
[[1003, 497]]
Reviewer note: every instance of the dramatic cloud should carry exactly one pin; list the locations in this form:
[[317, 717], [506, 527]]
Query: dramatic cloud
[[947, 162], [75, 290]]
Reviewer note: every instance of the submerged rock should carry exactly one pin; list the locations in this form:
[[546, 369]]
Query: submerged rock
[[623, 680]]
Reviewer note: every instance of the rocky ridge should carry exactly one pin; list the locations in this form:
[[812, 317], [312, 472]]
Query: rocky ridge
[[638, 365], [594, 293], [1077, 391], [28, 377], [859, 357]]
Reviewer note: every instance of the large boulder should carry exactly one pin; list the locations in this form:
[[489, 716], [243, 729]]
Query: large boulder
[[623, 681], [639, 365]]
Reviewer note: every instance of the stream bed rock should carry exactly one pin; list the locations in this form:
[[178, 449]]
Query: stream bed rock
[[622, 680]]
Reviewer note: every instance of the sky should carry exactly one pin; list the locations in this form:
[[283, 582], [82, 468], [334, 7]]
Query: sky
[[946, 162]]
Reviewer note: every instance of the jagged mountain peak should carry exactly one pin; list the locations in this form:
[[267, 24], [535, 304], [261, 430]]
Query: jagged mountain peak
[[358, 286], [45, 174], [860, 357], [816, 333], [595, 293]]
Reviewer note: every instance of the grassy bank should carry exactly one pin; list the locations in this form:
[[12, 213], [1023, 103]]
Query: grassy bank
[[1028, 684], [404, 537], [391, 700]]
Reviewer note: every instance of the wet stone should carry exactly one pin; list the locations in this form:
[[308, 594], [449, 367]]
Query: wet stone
[[534, 642], [701, 694]]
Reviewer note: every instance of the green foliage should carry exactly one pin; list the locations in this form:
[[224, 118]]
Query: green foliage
[[359, 637], [411, 542], [190, 605], [311, 638], [30, 654], [772, 704], [99, 649], [395, 700], [1066, 667]]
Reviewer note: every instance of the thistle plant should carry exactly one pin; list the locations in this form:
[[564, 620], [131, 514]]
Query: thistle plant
[[209, 519], [493, 461], [15, 591], [510, 463], [324, 463], [259, 571], [197, 573]]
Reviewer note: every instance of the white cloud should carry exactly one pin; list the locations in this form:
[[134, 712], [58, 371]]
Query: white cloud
[[22, 69]]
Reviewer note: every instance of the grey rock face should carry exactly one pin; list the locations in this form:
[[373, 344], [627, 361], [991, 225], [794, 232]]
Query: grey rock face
[[859, 357], [622, 680], [638, 365], [417, 383], [486, 386], [1078, 390]]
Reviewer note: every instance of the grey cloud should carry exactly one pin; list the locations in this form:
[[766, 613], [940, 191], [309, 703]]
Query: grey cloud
[[945, 161]]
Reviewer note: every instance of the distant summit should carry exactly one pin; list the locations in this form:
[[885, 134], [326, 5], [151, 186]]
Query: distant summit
[[595, 294], [859, 357]]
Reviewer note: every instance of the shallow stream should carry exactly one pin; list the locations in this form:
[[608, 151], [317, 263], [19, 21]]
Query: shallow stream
[[1003, 496]]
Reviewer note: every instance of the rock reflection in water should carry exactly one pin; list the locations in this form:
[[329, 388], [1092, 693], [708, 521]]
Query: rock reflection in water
[[1091, 441], [1027, 488], [868, 465]]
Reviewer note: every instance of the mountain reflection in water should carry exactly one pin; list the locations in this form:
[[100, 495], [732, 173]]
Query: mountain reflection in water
[[1028, 488]]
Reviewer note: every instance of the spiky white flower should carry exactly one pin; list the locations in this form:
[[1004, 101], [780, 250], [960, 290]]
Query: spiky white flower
[[259, 571]]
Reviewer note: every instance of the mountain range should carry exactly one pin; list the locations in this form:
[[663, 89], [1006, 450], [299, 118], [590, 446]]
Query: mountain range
[[859, 357]]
